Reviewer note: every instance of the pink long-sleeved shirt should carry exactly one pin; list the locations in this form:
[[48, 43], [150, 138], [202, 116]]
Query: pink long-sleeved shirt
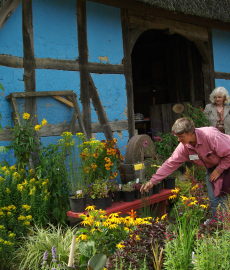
[[213, 147]]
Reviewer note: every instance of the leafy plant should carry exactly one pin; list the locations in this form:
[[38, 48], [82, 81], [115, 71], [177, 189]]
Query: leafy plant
[[98, 189], [127, 188], [25, 141], [197, 116], [165, 144], [213, 252], [52, 166], [31, 252], [136, 250]]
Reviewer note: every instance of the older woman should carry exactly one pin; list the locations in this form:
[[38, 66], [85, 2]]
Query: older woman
[[218, 112], [207, 147]]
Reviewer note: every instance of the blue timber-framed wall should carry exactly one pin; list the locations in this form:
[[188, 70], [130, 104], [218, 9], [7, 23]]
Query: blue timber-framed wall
[[55, 37], [221, 55]]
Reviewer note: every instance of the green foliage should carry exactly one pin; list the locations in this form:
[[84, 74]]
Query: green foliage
[[98, 189], [152, 165], [213, 252], [98, 261], [197, 116], [165, 144], [127, 188], [24, 201], [52, 166], [31, 252], [25, 141]]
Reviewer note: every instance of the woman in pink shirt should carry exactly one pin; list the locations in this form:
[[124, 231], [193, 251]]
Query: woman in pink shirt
[[205, 146]]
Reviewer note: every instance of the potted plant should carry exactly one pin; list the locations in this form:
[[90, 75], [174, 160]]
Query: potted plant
[[117, 193], [76, 173], [128, 192], [112, 186], [137, 187], [157, 188], [169, 181], [98, 192]]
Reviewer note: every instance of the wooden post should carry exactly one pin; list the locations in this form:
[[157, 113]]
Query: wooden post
[[28, 58], [83, 64], [100, 110], [128, 71]]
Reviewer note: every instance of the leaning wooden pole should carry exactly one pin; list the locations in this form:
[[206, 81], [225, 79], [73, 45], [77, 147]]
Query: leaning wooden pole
[[128, 70], [83, 64]]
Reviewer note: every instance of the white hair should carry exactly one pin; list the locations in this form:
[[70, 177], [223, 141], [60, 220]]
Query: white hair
[[215, 93]]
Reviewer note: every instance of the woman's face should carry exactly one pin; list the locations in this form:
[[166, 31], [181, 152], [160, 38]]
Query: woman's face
[[219, 99]]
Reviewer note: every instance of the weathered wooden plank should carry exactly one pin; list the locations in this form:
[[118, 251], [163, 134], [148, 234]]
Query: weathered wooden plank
[[11, 61], [58, 129], [100, 110], [59, 64], [128, 70], [153, 11], [191, 75], [83, 61], [40, 94], [156, 119], [190, 31], [79, 117], [63, 100], [211, 61], [167, 120], [203, 50], [7, 11], [28, 58], [16, 114], [222, 75]]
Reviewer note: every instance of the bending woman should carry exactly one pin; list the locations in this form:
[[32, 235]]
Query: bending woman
[[218, 112], [206, 146]]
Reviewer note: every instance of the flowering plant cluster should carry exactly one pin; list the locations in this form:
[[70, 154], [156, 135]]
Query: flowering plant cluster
[[72, 151], [101, 159], [98, 189], [165, 144], [197, 116], [106, 231], [25, 141]]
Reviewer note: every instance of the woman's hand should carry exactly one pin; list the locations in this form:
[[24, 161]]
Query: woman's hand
[[214, 175], [146, 187]]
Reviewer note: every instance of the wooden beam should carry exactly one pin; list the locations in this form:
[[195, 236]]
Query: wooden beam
[[148, 9], [189, 31], [28, 58], [222, 75], [7, 11], [39, 94], [58, 129], [128, 70], [83, 62], [203, 50], [59, 64], [63, 100], [100, 110]]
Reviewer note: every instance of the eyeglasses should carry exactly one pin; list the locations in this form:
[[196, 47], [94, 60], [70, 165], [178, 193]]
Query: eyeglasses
[[180, 137]]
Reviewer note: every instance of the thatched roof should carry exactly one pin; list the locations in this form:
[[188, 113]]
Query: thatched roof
[[212, 9]]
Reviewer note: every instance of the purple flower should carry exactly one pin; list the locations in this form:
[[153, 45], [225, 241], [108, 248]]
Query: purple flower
[[45, 255], [54, 252]]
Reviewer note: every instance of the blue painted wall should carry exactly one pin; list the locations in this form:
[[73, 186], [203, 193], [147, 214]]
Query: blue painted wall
[[55, 36], [221, 55]]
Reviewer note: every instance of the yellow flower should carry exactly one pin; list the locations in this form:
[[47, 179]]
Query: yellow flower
[[20, 187], [26, 223], [12, 235], [44, 122], [2, 227], [8, 190], [37, 127], [26, 207], [176, 190], [192, 198], [203, 206], [163, 217], [29, 217], [1, 213], [196, 186], [184, 198], [21, 217], [90, 207], [82, 237], [120, 246], [113, 226], [157, 219], [26, 116], [193, 203], [172, 197]]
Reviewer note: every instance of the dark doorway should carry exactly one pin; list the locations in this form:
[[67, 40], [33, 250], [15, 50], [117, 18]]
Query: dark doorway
[[167, 69]]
